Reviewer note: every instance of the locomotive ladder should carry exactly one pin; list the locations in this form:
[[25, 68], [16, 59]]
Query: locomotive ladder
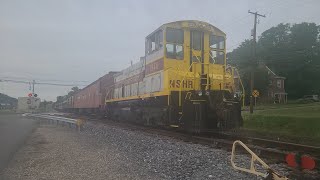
[[204, 80], [203, 77]]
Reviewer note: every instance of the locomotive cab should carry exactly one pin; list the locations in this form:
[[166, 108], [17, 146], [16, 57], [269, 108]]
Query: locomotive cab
[[199, 83]]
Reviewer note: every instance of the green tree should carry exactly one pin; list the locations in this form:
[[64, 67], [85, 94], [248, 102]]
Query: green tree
[[73, 91], [59, 98], [291, 51]]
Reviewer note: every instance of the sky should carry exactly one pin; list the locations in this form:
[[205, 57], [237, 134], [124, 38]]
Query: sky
[[75, 42]]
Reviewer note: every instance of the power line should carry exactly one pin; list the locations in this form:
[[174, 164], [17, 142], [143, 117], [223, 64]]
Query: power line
[[39, 83], [37, 79], [281, 5]]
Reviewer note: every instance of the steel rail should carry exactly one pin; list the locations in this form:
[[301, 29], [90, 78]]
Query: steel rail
[[273, 151], [268, 143]]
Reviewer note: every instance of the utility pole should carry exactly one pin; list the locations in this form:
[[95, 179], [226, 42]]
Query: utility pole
[[254, 57], [33, 82]]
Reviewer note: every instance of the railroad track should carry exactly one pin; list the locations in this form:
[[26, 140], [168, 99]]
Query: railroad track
[[273, 151], [221, 136], [267, 143]]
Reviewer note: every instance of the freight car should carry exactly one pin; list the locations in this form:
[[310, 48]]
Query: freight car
[[182, 81], [91, 99]]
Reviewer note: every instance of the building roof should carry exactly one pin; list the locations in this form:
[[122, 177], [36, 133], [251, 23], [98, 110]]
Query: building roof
[[274, 75]]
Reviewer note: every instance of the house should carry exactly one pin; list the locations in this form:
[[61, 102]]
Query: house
[[276, 90]]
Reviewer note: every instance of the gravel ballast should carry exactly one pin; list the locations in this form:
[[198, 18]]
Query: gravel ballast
[[107, 152]]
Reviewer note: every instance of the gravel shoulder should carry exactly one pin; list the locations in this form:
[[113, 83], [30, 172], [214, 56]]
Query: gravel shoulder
[[59, 153], [14, 130], [103, 152]]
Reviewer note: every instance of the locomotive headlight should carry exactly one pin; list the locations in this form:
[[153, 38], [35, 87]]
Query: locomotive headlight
[[200, 93]]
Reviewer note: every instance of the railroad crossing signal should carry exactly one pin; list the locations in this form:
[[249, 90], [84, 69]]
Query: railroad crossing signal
[[32, 95], [255, 93]]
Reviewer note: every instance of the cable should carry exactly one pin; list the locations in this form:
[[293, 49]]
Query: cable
[[299, 4], [40, 83], [53, 80], [280, 4]]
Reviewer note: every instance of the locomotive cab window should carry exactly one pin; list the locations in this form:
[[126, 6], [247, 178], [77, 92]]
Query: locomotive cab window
[[154, 42], [217, 48], [216, 57], [174, 46], [197, 40], [217, 42]]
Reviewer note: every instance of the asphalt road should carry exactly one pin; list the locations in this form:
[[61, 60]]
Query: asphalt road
[[14, 130]]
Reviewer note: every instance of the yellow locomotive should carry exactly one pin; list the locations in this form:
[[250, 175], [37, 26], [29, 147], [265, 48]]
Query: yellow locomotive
[[182, 81]]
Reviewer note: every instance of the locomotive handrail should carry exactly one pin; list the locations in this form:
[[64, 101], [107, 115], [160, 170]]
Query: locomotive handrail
[[183, 80], [243, 91], [180, 90]]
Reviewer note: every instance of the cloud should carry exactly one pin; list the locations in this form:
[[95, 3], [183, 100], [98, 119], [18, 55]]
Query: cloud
[[82, 40]]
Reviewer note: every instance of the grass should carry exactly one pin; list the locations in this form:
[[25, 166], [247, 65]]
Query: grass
[[290, 104], [292, 120]]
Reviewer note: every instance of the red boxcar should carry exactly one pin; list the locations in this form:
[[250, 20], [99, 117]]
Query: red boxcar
[[105, 82], [92, 97], [89, 97]]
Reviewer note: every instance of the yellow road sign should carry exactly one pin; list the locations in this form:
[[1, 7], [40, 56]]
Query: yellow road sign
[[255, 93]]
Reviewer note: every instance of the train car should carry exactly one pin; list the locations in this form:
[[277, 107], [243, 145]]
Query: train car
[[105, 82], [91, 99], [182, 81]]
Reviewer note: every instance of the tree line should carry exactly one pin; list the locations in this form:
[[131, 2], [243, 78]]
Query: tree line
[[289, 50], [72, 92]]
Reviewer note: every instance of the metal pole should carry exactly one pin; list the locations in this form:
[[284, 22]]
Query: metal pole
[[254, 58], [33, 82]]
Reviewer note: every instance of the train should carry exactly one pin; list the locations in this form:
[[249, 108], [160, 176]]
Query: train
[[182, 81]]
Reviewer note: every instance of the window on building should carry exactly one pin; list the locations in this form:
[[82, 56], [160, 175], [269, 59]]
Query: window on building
[[174, 46], [279, 83], [270, 82]]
